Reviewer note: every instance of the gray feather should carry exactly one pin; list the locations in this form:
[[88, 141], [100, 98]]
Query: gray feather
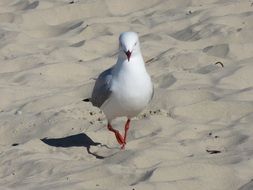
[[102, 89], [153, 93]]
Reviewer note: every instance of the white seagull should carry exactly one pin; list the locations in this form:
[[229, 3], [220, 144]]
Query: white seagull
[[126, 88]]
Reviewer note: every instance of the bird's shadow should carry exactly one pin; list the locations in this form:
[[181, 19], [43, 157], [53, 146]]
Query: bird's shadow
[[77, 140]]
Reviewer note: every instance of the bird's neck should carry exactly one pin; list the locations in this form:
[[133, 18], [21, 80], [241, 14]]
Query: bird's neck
[[135, 65], [136, 59]]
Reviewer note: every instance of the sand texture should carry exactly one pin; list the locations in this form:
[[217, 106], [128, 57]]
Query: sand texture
[[197, 132]]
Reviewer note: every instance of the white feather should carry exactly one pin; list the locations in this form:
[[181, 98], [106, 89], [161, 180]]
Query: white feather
[[131, 85]]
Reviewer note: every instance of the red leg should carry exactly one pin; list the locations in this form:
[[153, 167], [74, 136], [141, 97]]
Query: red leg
[[127, 125], [117, 134]]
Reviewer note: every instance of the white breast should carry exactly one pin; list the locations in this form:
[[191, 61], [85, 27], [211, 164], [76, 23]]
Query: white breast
[[131, 92]]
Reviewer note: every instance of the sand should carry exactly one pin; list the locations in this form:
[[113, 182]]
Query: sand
[[196, 133]]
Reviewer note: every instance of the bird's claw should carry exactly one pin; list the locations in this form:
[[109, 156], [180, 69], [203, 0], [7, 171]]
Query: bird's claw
[[123, 146]]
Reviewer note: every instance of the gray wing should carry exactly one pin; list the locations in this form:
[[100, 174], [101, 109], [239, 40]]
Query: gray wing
[[102, 89]]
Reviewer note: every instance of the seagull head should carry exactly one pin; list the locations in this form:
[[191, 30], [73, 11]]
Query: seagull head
[[129, 45]]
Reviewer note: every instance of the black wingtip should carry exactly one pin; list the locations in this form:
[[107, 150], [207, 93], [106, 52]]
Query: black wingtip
[[86, 100]]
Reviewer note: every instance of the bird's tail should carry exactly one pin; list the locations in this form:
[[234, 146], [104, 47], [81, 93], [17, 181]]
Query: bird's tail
[[86, 100]]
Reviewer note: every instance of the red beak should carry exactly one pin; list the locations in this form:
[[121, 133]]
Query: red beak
[[128, 54]]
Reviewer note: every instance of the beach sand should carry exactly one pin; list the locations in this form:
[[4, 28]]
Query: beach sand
[[196, 133]]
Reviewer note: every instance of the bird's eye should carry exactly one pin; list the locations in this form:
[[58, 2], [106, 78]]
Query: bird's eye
[[135, 43]]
